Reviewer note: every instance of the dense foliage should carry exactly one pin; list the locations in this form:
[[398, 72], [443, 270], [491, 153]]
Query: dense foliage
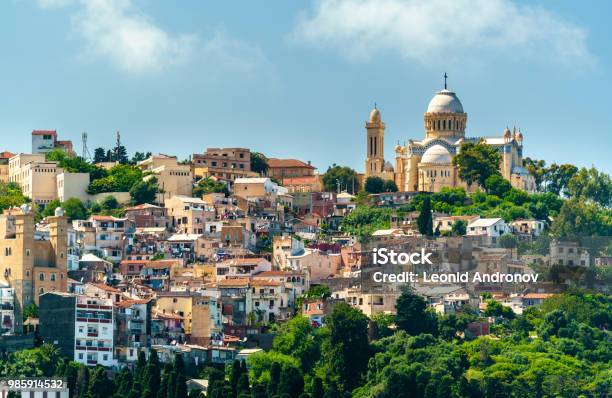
[[342, 178], [11, 195], [120, 178], [208, 185]]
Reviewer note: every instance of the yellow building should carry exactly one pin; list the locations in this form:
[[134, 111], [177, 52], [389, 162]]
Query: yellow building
[[36, 177], [426, 165], [172, 178], [31, 266]]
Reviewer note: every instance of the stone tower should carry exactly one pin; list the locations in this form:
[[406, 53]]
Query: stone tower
[[375, 144]]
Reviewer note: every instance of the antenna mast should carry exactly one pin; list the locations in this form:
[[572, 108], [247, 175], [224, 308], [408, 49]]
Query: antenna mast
[[85, 152]]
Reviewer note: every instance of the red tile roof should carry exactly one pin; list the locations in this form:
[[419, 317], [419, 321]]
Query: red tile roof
[[276, 273], [277, 163], [44, 132], [233, 282], [131, 302], [104, 287], [6, 155], [538, 295]]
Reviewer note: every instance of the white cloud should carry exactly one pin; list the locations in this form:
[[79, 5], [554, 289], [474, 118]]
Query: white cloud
[[441, 31], [114, 29], [117, 31]]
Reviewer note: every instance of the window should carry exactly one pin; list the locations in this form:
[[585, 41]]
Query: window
[[41, 276], [53, 277]]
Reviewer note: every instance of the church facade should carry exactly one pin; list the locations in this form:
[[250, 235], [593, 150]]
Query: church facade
[[426, 165]]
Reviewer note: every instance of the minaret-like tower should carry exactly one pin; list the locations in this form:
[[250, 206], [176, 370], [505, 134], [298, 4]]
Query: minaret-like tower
[[375, 144]]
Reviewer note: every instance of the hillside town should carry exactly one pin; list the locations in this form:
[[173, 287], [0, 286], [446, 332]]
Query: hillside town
[[108, 258]]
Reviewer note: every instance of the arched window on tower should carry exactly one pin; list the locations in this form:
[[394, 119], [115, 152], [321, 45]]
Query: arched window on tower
[[444, 124]]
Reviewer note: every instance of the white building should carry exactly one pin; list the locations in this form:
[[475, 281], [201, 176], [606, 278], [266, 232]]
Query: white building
[[492, 228], [72, 185], [7, 309], [93, 331]]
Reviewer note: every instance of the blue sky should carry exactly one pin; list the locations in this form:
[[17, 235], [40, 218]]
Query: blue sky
[[298, 79]]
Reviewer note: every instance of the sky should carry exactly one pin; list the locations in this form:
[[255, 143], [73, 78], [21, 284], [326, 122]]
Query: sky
[[298, 79]]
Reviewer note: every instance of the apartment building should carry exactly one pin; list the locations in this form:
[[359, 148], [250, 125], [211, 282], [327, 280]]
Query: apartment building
[[188, 215], [35, 176], [81, 327], [147, 216], [132, 328], [255, 187], [490, 228], [32, 266], [445, 223], [109, 235], [288, 168], [223, 163], [172, 178], [568, 253]]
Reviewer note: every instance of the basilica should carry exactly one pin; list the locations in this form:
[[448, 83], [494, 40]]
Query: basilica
[[426, 165]]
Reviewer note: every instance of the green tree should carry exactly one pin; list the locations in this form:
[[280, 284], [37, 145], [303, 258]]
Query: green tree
[[74, 209], [579, 218], [259, 163], [381, 323], [316, 390], [413, 315], [30, 311], [537, 169], [390, 186], [11, 196], [208, 185], [50, 207], [425, 221], [347, 350], [151, 376], [591, 184], [557, 177], [343, 177], [144, 191], [459, 228], [497, 185], [374, 184], [495, 308], [299, 339], [291, 382], [99, 385], [139, 157], [100, 155], [477, 162], [109, 203]]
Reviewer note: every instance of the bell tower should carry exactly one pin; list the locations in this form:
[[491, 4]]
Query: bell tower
[[375, 144]]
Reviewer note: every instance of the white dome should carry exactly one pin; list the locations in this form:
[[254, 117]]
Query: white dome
[[445, 101], [436, 154], [375, 116]]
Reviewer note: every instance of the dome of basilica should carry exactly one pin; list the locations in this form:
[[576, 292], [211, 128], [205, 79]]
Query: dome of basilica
[[436, 154], [445, 101]]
